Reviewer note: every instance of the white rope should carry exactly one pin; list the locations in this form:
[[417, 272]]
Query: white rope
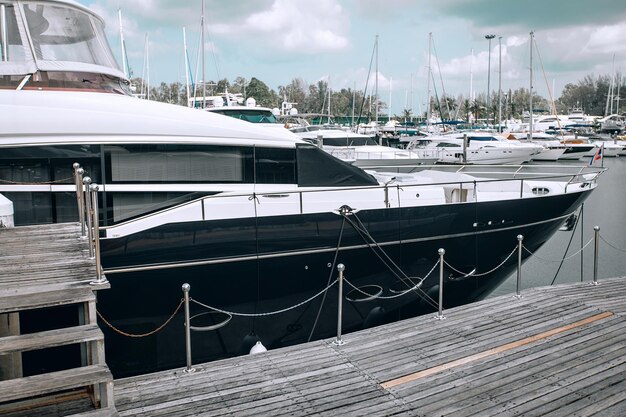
[[614, 247], [482, 273], [391, 297], [565, 258], [269, 313]]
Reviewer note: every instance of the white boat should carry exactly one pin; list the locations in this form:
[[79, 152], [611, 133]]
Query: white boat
[[262, 116], [255, 221], [552, 148], [610, 145], [480, 148], [363, 151]]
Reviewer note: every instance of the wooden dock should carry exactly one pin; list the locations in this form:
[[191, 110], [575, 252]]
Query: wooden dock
[[42, 269], [557, 351]]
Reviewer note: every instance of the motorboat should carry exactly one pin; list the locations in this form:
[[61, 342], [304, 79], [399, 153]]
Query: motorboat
[[256, 222], [363, 151], [262, 116], [552, 148], [477, 148]]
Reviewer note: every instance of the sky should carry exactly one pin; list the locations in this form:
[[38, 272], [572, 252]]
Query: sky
[[333, 40]]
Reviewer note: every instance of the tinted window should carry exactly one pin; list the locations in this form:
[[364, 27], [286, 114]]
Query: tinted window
[[318, 168], [275, 166], [179, 164]]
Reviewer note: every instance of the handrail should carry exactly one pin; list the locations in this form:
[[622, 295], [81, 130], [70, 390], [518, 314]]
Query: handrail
[[253, 195]]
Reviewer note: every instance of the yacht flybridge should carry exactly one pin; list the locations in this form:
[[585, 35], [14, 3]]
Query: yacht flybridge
[[256, 222]]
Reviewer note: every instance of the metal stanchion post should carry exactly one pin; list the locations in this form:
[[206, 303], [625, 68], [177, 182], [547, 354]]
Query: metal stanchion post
[[96, 234], [88, 213], [596, 241], [439, 315], [78, 181], [189, 368], [520, 239], [338, 341]]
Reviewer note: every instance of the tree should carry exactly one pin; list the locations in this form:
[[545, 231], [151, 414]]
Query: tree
[[590, 93], [261, 93], [294, 92], [222, 86]]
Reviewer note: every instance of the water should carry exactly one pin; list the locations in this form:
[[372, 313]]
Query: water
[[605, 207]]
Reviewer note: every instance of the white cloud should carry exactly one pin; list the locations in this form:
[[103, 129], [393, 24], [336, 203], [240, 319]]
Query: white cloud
[[305, 27]]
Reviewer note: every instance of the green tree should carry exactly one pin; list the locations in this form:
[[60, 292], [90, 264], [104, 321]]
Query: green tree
[[261, 93]]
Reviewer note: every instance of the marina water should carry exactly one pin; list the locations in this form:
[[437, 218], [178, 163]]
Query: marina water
[[606, 208]]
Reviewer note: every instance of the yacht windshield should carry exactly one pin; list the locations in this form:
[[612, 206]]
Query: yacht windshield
[[250, 115], [67, 34], [57, 45], [350, 141], [11, 46]]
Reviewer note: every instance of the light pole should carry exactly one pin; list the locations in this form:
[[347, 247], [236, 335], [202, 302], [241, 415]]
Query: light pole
[[489, 38]]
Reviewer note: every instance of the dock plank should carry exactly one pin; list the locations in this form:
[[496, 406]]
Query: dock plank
[[581, 370], [50, 338], [15, 389]]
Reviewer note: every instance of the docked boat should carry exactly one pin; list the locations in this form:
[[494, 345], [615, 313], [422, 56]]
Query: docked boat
[[552, 148], [255, 221], [363, 151], [477, 148]]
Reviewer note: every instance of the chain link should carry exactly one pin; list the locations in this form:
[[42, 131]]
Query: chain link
[[565, 258], [142, 334], [614, 247], [482, 273], [269, 313], [391, 297]]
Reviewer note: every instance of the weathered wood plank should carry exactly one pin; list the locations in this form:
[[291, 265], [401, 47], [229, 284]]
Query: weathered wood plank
[[50, 338], [46, 299], [15, 389]]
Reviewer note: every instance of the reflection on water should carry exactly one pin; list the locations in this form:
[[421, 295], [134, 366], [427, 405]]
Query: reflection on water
[[606, 207]]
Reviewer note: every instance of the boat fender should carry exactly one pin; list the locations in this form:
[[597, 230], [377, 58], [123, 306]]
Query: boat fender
[[431, 294], [248, 343], [375, 317], [258, 348]]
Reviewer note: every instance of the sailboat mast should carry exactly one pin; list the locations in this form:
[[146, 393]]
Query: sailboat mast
[[430, 37], [618, 78], [123, 48], [471, 93], [530, 126], [376, 83], [353, 104], [203, 68], [390, 84], [328, 88], [186, 64], [148, 65], [500, 84]]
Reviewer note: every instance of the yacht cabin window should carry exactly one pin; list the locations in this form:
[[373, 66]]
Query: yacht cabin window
[[11, 46]]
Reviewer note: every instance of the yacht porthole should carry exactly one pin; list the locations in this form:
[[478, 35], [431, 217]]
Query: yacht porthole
[[417, 195], [541, 190], [328, 264]]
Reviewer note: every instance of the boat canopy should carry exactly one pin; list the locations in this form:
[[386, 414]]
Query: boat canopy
[[53, 36]]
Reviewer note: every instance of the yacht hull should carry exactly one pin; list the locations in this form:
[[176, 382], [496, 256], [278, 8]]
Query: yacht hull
[[269, 264]]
